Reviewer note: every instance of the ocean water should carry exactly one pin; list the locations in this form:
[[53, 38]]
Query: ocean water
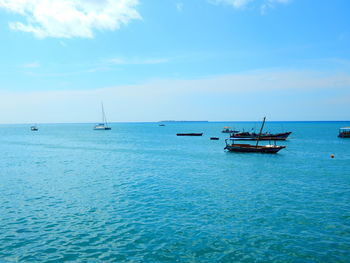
[[138, 193]]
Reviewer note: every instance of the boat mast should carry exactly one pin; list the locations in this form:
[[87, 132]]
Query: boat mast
[[262, 126], [104, 119]]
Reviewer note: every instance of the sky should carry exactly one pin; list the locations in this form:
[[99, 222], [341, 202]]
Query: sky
[[216, 60]]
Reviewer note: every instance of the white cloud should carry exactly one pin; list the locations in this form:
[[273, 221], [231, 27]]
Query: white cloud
[[280, 1], [137, 61], [179, 6], [239, 4], [63, 44], [31, 65], [70, 18], [234, 3], [271, 3]]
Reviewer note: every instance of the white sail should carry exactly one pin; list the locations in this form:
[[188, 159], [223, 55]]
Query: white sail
[[103, 125]]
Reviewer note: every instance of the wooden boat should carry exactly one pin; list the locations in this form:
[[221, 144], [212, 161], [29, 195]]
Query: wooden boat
[[235, 147], [240, 147], [263, 137], [189, 134], [104, 124], [228, 130], [344, 132]]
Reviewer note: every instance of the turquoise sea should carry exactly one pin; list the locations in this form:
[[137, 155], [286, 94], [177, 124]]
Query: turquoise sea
[[138, 193]]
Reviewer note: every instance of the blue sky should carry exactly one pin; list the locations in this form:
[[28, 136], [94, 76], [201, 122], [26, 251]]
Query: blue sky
[[183, 60]]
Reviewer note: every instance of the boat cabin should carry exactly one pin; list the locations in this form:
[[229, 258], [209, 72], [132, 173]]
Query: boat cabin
[[344, 132], [227, 129]]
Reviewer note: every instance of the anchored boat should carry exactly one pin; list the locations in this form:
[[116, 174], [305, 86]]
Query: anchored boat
[[240, 147], [263, 137], [189, 134], [34, 128], [228, 130], [344, 132], [104, 124]]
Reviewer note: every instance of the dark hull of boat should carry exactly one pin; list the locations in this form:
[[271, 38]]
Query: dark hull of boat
[[263, 137], [253, 149], [229, 131], [344, 135], [102, 129], [189, 134], [214, 138]]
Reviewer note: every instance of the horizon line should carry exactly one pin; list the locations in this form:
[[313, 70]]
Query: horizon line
[[171, 121]]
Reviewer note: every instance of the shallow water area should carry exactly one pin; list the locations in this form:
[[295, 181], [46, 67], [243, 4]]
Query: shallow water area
[[139, 193]]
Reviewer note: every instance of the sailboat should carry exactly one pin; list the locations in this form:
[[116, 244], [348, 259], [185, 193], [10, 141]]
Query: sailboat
[[103, 125], [240, 147]]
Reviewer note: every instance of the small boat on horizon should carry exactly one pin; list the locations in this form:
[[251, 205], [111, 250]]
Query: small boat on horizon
[[228, 130], [34, 128], [104, 124], [344, 132], [240, 147], [189, 134]]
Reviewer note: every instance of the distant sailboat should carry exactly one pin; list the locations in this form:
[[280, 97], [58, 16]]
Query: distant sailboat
[[103, 125]]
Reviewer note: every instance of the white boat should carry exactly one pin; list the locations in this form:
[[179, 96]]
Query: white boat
[[34, 128], [104, 124], [228, 130]]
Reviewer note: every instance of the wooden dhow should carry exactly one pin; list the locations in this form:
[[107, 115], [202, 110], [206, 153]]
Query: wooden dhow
[[241, 147]]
